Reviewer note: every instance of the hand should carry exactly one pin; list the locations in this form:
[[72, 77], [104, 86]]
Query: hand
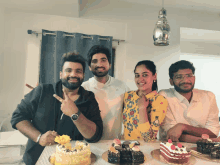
[[175, 132], [68, 107], [30, 87], [48, 138], [143, 102]]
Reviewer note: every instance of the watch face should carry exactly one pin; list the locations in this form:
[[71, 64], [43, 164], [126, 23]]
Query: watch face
[[74, 116]]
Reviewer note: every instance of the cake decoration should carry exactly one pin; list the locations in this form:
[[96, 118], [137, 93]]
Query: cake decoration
[[173, 147], [127, 153], [170, 141], [67, 155], [62, 139], [131, 145], [174, 154], [207, 146], [205, 136], [179, 145], [135, 148], [117, 141]]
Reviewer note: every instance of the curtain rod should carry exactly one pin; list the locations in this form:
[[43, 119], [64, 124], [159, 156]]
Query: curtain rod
[[68, 35]]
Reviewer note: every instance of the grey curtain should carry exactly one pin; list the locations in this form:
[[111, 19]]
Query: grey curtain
[[56, 43]]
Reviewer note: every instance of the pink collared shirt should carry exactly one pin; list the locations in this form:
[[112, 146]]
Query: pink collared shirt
[[202, 111]]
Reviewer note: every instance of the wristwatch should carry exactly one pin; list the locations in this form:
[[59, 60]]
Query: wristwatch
[[75, 116]]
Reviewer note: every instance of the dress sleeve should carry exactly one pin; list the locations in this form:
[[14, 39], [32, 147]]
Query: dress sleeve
[[95, 117], [27, 108], [149, 130]]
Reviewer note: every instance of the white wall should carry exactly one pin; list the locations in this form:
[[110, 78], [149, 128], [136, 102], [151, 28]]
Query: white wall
[[22, 50], [3, 112], [207, 67], [132, 22], [201, 47], [140, 21], [1, 44]]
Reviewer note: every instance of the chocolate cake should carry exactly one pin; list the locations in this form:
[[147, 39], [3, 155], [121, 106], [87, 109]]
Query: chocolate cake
[[215, 152], [113, 155], [207, 146], [204, 146], [137, 156], [125, 153]]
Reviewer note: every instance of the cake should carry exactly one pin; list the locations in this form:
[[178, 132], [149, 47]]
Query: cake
[[124, 153], [204, 145], [67, 155], [215, 152], [174, 153], [207, 146]]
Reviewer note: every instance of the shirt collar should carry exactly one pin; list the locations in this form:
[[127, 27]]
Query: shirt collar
[[99, 85], [182, 98]]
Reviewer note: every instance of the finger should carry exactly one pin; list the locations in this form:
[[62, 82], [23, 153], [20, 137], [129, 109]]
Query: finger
[[175, 139], [51, 139], [168, 135], [58, 98], [52, 143], [37, 84], [54, 133], [65, 94], [29, 86]]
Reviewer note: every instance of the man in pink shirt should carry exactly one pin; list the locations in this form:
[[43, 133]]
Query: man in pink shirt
[[191, 112]]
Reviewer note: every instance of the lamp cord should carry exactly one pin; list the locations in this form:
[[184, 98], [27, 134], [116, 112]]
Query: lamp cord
[[162, 3]]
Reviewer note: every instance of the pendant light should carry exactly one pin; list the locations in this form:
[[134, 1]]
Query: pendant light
[[161, 32]]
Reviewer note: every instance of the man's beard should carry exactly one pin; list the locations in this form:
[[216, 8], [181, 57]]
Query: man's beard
[[99, 74], [178, 89], [72, 85]]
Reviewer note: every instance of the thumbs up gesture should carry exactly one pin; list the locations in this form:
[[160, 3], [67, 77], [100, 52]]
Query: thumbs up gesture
[[68, 107]]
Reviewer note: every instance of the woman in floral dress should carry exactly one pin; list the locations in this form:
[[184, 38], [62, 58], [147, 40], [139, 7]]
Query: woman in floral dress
[[144, 109]]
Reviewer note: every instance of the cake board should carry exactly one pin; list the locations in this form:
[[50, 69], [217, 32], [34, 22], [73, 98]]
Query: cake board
[[202, 156]]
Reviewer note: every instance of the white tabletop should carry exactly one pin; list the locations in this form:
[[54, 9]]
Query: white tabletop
[[100, 147]]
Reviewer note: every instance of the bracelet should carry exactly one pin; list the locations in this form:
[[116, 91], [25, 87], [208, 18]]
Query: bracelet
[[38, 139]]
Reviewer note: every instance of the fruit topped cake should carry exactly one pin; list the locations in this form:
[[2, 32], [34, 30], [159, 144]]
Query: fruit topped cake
[[174, 153], [207, 146], [68, 155], [124, 153]]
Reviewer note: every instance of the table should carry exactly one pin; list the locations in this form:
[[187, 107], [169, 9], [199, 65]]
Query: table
[[100, 147]]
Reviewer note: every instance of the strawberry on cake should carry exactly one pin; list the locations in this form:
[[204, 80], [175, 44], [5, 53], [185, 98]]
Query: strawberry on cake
[[174, 154]]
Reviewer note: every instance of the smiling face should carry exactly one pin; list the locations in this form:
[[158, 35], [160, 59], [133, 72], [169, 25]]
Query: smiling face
[[99, 65], [183, 80], [72, 75], [144, 78]]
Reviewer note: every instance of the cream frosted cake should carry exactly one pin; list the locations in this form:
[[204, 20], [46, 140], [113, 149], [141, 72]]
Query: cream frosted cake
[[174, 154], [68, 155]]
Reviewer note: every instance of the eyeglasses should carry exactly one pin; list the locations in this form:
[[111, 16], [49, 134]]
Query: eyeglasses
[[182, 76]]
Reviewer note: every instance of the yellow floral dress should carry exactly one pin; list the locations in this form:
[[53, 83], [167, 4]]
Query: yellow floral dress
[[156, 113]]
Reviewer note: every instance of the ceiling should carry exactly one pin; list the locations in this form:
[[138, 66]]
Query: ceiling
[[73, 7]]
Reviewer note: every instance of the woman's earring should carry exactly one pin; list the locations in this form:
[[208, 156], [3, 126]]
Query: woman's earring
[[154, 81]]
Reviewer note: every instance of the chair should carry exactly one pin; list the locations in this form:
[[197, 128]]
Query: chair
[[10, 154]]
